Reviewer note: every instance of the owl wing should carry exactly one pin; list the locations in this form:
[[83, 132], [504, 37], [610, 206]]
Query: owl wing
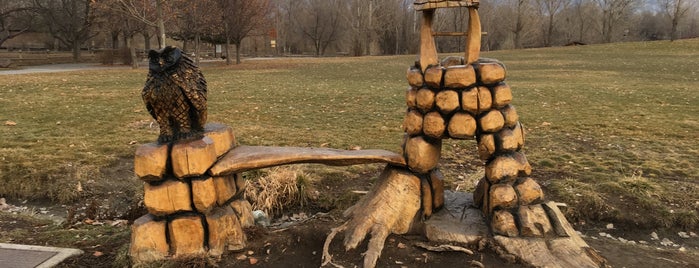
[[194, 88], [147, 95]]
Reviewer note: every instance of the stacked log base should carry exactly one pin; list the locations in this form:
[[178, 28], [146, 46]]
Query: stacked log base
[[190, 213], [457, 101]]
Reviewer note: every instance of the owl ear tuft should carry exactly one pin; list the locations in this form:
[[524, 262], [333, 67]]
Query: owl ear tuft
[[152, 54], [169, 49], [176, 52]]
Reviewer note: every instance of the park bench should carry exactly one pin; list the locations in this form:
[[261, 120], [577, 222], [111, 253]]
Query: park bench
[[188, 179], [245, 158]]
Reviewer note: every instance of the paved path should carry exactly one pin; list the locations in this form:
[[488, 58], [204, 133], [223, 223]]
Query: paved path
[[67, 67], [53, 68]]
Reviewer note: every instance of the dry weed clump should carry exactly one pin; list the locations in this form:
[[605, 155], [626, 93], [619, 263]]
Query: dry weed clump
[[279, 188]]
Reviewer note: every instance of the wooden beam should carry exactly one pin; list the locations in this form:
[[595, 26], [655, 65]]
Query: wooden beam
[[454, 33], [473, 40], [448, 34], [244, 158], [428, 50], [422, 5]]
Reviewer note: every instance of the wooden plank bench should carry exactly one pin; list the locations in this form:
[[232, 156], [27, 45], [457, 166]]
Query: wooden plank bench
[[244, 158]]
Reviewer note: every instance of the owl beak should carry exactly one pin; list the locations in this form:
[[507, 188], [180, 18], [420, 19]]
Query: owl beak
[[161, 62]]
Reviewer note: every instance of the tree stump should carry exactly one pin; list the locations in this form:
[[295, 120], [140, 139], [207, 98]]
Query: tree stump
[[389, 208]]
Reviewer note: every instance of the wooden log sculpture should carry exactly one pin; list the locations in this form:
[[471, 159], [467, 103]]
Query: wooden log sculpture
[[464, 98], [190, 212], [192, 188], [194, 194]]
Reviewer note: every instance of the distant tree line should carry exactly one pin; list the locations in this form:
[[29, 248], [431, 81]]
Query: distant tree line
[[352, 27]]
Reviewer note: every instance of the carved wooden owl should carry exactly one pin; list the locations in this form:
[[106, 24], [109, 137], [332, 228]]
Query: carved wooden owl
[[175, 95]]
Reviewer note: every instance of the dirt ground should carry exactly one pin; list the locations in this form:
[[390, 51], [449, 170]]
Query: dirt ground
[[298, 241], [301, 246]]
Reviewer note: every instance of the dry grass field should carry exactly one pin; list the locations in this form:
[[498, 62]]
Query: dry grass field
[[612, 130]]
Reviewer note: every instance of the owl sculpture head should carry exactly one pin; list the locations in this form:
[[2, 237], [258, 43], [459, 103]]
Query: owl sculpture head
[[165, 59]]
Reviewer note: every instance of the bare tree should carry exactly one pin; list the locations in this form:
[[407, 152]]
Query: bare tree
[[146, 12], [194, 19], [239, 19], [16, 18], [282, 23], [693, 24], [69, 21], [378, 26], [492, 25], [408, 28], [613, 11], [549, 10], [523, 17], [651, 26], [386, 23], [581, 10], [450, 20], [320, 22], [110, 11], [676, 10]]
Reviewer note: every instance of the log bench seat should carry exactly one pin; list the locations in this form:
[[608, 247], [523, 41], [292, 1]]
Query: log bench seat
[[244, 158]]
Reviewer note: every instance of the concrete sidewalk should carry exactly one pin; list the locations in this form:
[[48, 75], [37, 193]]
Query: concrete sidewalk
[[53, 68], [27, 256]]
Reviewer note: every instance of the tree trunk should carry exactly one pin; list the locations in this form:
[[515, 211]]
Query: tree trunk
[[146, 41], [115, 39], [197, 43], [228, 55], [126, 40], [607, 26], [673, 30], [161, 23], [132, 52], [519, 25], [237, 53], [549, 33], [317, 43], [76, 51]]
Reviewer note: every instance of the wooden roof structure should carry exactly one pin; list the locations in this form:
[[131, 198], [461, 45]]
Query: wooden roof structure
[[433, 4], [428, 51]]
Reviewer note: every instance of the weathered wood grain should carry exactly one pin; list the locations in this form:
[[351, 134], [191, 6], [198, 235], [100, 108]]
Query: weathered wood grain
[[243, 158]]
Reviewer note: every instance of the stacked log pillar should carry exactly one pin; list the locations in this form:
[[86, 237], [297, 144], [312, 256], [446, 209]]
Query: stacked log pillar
[[190, 213], [472, 101]]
